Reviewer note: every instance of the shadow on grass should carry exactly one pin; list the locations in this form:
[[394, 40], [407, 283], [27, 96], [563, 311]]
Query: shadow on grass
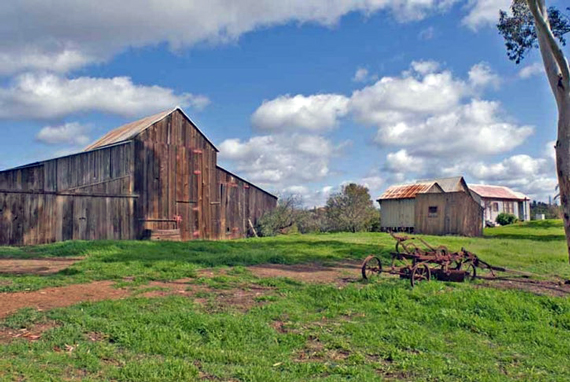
[[204, 253], [525, 237]]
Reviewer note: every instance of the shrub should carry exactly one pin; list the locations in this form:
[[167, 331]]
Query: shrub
[[506, 219]]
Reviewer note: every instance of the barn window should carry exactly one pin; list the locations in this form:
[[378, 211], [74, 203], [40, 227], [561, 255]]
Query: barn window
[[432, 211]]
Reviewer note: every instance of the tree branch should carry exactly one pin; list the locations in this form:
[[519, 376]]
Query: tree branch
[[540, 18]]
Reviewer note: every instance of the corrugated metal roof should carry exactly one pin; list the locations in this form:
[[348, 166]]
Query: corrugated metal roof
[[405, 191], [132, 129], [497, 192]]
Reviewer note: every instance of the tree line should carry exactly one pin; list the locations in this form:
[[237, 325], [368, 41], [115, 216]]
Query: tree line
[[350, 210]]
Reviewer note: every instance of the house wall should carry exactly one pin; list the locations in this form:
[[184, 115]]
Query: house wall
[[457, 214], [397, 214], [78, 197], [493, 207]]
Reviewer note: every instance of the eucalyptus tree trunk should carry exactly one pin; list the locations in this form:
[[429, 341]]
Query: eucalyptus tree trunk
[[558, 74]]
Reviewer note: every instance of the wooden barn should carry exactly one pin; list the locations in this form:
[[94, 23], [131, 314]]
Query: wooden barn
[[432, 207], [157, 177]]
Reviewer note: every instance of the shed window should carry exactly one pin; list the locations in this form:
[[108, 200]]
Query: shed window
[[432, 211]]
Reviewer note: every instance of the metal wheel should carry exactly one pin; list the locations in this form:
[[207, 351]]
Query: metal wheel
[[420, 272], [470, 271], [371, 267]]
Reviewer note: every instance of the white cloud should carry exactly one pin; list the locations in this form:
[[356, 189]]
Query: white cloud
[[396, 99], [535, 177], [45, 96], [282, 159], [426, 34], [316, 112], [72, 33], [425, 67], [72, 133], [363, 75], [468, 130], [531, 70], [402, 162], [484, 13], [481, 75]]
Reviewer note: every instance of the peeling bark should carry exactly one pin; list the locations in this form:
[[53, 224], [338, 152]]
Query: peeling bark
[[558, 74]]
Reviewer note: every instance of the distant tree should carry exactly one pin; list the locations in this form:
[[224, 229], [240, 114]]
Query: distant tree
[[282, 218], [532, 25], [351, 209], [550, 211]]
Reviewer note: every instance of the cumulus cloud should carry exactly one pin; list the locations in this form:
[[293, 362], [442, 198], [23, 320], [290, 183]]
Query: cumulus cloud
[[535, 177], [316, 112], [69, 133], [481, 75], [46, 96], [531, 70], [281, 159], [482, 13], [363, 75], [74, 33]]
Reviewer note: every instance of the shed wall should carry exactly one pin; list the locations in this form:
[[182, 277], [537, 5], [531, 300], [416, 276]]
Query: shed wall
[[397, 213], [457, 214]]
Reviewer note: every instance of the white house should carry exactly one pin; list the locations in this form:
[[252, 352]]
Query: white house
[[497, 199]]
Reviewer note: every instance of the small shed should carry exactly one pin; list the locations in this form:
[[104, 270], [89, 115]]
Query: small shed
[[434, 207]]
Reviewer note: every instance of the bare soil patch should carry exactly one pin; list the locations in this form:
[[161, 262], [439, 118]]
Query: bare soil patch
[[42, 266], [33, 333], [539, 287], [343, 272], [50, 298]]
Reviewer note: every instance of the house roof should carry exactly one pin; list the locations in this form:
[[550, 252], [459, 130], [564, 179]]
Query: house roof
[[132, 129], [497, 192], [405, 191]]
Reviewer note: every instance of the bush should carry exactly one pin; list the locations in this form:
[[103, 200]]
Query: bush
[[506, 219]]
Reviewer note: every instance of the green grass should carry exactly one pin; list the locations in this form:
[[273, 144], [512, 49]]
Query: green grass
[[361, 332]]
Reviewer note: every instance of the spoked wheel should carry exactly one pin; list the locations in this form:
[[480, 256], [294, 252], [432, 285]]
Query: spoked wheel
[[470, 271], [420, 272], [371, 267]]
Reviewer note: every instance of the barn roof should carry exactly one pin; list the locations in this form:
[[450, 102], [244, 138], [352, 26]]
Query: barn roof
[[406, 191], [497, 192], [451, 184], [132, 129]]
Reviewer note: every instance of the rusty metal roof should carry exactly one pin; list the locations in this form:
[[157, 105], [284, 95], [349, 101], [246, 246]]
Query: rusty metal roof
[[132, 129], [496, 192], [451, 184], [405, 191]]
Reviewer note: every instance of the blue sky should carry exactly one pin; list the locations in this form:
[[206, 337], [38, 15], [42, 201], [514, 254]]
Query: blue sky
[[299, 96]]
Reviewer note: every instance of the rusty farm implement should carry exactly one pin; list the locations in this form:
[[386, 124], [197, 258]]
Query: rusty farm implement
[[419, 261]]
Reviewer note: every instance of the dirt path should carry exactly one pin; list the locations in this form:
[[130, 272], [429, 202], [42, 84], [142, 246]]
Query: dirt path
[[340, 273], [346, 271], [42, 266]]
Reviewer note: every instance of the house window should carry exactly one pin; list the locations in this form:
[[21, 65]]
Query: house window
[[432, 211], [495, 206], [509, 207]]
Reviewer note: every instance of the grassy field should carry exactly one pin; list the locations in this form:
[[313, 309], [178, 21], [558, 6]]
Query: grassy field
[[295, 331]]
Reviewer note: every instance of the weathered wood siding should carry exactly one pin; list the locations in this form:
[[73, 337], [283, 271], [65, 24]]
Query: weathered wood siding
[[85, 196], [181, 187], [239, 201], [164, 183], [397, 214], [457, 214]]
